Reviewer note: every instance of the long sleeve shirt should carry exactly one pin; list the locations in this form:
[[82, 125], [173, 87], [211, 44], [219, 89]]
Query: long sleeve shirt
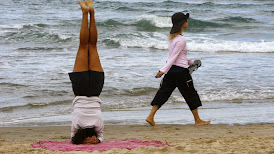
[[177, 51], [87, 114]]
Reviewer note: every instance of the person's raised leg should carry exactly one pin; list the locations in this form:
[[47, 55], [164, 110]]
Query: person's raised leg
[[197, 119], [94, 59], [81, 61]]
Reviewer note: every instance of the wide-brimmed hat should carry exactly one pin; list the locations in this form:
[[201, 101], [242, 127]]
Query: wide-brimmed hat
[[178, 19]]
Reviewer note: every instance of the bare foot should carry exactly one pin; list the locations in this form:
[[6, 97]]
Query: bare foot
[[151, 122], [83, 5], [201, 122], [90, 5]]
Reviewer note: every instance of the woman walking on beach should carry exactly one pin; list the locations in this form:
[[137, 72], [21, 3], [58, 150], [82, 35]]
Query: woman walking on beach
[[176, 72], [87, 81]]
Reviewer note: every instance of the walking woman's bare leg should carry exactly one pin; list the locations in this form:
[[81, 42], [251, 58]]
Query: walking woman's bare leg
[[81, 61], [94, 60], [150, 118], [197, 119]]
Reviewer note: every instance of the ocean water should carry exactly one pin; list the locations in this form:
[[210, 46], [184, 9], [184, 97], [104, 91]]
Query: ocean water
[[233, 39]]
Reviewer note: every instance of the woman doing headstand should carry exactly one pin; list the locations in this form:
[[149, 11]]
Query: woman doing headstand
[[87, 81]]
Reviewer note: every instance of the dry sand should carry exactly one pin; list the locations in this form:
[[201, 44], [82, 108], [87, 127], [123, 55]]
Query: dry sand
[[251, 138]]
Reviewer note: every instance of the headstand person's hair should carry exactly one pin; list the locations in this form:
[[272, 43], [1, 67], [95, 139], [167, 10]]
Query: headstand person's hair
[[83, 133]]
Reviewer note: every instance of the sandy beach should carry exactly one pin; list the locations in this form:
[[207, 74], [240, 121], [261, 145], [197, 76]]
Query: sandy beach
[[251, 138]]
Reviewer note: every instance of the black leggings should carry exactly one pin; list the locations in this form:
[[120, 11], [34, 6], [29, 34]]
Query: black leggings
[[178, 77]]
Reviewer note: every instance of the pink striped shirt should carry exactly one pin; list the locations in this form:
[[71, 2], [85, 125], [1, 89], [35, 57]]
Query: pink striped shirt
[[177, 51]]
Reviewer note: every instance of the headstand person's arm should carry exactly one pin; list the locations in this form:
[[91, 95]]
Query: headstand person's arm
[[100, 135]]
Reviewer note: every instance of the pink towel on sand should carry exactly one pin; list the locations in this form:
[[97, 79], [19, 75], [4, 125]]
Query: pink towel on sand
[[104, 146]]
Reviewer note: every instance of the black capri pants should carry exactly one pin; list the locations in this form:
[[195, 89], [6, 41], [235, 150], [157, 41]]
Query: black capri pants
[[87, 83], [177, 77]]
